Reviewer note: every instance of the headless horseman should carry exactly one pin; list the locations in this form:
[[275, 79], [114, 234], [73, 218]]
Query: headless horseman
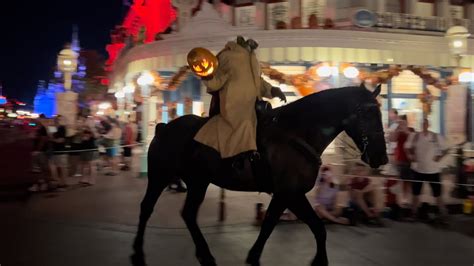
[[238, 84]]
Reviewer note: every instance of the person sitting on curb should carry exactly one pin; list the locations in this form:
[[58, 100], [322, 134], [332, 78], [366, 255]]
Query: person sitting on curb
[[366, 198], [327, 206]]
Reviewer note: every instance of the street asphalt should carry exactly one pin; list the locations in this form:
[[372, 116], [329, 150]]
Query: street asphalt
[[95, 225]]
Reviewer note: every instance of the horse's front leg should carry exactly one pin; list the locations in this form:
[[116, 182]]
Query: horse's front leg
[[194, 198], [272, 216], [303, 210]]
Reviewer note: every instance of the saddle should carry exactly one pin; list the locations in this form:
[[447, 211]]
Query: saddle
[[261, 107], [256, 163]]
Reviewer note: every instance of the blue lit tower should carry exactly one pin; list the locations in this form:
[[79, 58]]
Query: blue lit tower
[[45, 98]]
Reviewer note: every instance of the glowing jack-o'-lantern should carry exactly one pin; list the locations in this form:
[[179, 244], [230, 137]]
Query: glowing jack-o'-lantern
[[202, 62]]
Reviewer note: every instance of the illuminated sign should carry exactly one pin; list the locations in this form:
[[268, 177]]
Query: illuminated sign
[[364, 18], [3, 100]]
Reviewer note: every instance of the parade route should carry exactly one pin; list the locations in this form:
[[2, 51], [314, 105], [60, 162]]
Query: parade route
[[96, 225]]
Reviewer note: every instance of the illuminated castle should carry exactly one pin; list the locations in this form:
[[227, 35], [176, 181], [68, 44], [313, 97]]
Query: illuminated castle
[[45, 98]]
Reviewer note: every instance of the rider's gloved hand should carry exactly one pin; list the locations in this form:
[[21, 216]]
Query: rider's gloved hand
[[209, 77], [276, 92]]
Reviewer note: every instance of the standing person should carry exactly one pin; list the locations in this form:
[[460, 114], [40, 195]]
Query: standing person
[[88, 157], [103, 129], [41, 155], [238, 83], [129, 137], [393, 118], [113, 138], [425, 150], [400, 136], [76, 147], [58, 163]]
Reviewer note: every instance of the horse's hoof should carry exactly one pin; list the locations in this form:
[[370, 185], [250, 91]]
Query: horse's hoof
[[320, 261], [138, 259], [207, 261], [252, 260], [253, 263]]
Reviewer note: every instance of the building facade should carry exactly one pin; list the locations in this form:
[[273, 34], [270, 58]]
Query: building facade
[[401, 44]]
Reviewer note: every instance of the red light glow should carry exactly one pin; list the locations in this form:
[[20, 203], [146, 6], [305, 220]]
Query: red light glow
[[154, 15]]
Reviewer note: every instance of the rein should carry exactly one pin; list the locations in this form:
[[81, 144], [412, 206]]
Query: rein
[[364, 135]]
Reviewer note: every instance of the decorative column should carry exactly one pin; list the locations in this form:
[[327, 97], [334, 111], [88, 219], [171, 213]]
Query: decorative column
[[443, 7], [120, 96], [381, 6], [145, 81], [66, 103]]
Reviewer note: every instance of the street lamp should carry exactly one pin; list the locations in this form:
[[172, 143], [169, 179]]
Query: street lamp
[[324, 71], [457, 41], [66, 103], [120, 95], [129, 89], [145, 80], [351, 72], [67, 63]]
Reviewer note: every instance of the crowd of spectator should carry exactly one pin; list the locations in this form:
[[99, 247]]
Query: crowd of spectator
[[94, 144], [361, 196]]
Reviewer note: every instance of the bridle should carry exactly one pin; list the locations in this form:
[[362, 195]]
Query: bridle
[[363, 133]]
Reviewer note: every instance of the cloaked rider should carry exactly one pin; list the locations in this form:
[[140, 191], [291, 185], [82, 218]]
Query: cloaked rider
[[238, 83]]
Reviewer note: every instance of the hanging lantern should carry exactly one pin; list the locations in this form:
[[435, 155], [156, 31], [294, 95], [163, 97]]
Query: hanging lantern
[[202, 62]]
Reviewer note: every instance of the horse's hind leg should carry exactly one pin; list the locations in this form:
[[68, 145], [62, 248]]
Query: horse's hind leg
[[194, 198], [272, 216], [303, 210], [156, 185]]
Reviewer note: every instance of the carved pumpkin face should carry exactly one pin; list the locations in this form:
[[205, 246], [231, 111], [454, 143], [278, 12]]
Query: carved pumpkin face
[[202, 62]]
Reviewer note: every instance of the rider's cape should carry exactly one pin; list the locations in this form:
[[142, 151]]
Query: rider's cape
[[239, 84]]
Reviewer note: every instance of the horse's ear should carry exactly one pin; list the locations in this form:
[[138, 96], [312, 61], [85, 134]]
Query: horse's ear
[[362, 85], [377, 90]]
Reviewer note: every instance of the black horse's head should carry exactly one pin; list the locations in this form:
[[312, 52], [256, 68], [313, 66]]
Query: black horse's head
[[364, 126]]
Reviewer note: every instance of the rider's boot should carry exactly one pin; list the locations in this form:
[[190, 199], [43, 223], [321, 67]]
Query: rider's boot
[[239, 161]]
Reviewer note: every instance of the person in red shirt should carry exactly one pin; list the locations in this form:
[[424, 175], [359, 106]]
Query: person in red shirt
[[400, 136], [129, 137], [366, 196]]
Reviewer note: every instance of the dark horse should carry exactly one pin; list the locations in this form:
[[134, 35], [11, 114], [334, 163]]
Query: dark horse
[[291, 140]]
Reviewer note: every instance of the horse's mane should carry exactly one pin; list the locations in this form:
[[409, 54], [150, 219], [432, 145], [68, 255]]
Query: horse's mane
[[320, 105], [342, 93]]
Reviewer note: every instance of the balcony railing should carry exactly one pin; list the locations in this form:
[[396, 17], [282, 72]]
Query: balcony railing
[[413, 22]]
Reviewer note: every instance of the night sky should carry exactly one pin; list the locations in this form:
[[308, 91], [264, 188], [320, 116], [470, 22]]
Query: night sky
[[34, 31]]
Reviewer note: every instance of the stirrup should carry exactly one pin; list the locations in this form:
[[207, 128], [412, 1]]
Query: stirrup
[[254, 156], [238, 164]]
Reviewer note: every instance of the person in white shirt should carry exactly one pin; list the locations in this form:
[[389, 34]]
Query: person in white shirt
[[393, 119], [425, 150]]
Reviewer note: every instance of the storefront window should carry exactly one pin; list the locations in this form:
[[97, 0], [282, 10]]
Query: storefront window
[[407, 83], [180, 109], [412, 108], [198, 108], [456, 9], [164, 114]]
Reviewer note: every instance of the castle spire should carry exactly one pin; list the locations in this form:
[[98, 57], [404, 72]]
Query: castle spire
[[75, 46]]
